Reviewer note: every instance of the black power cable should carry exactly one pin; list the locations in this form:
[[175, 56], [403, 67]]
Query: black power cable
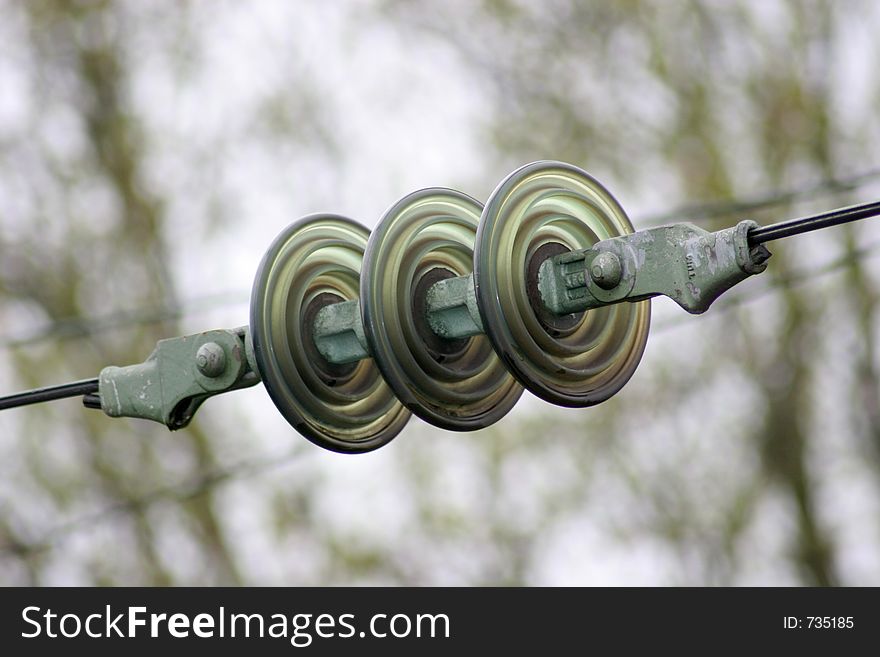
[[792, 227], [88, 388], [75, 389]]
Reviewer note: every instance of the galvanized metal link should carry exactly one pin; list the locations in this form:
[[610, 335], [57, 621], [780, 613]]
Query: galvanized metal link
[[691, 266], [178, 377], [452, 308], [339, 333], [451, 313]]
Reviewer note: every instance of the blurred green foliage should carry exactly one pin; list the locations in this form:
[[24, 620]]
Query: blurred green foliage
[[735, 454]]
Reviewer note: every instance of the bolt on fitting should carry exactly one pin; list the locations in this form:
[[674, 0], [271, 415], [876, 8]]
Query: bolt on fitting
[[211, 359], [606, 270]]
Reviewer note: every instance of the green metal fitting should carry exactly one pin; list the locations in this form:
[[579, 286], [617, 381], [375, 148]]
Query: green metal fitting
[[451, 312], [452, 308], [691, 266], [178, 377], [339, 333]]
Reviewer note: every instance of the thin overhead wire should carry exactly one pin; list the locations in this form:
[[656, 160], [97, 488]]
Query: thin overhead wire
[[714, 209], [792, 227], [50, 393], [188, 489], [80, 327], [203, 483]]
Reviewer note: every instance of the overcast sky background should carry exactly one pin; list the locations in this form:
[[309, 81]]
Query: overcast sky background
[[395, 111]]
